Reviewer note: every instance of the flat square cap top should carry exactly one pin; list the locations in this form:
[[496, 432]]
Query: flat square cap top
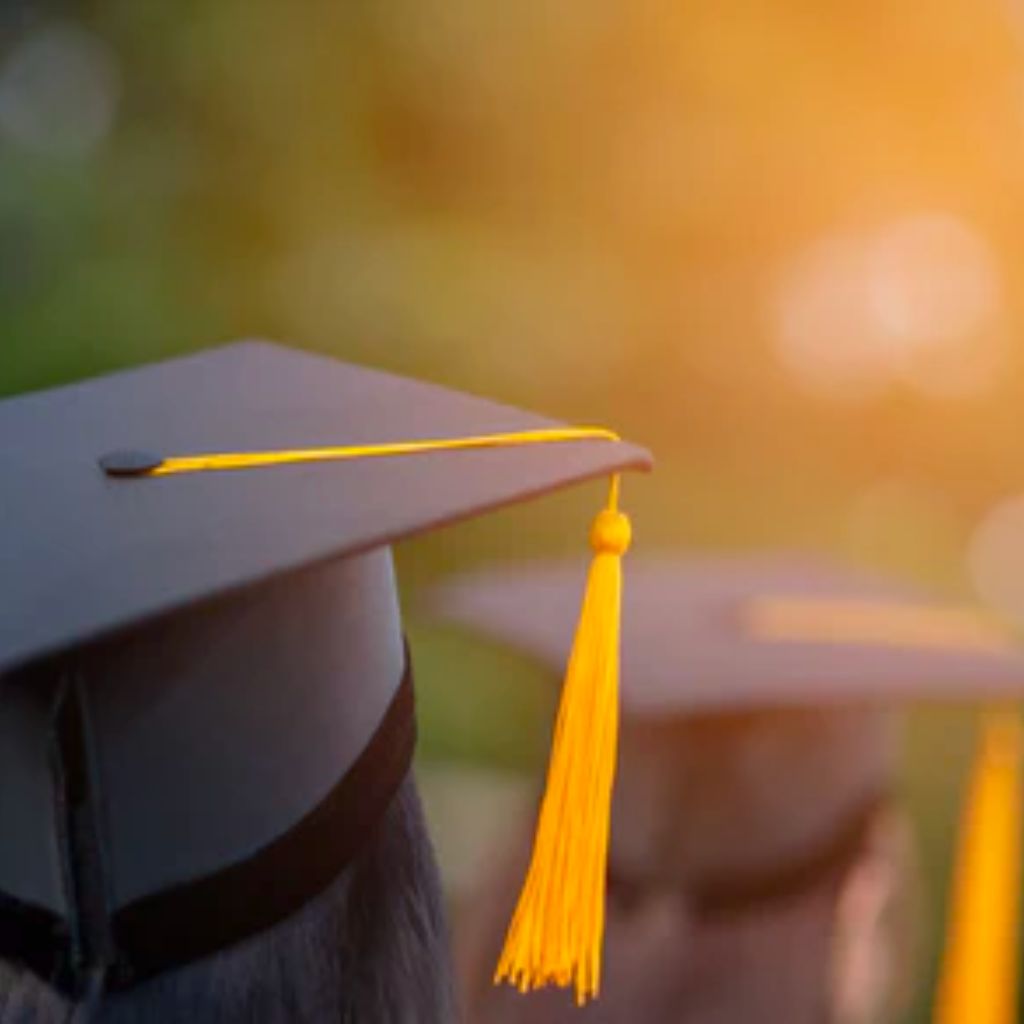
[[751, 632], [83, 555]]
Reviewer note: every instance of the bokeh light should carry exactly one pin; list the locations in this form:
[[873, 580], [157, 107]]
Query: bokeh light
[[901, 522], [917, 301], [829, 337], [996, 558], [931, 278], [59, 91]]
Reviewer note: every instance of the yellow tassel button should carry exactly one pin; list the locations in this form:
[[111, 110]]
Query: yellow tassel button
[[611, 532]]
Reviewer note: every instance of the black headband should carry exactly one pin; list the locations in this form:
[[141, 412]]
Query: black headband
[[193, 920]]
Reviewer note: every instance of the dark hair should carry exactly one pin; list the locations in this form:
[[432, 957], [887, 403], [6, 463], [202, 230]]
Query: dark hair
[[372, 948]]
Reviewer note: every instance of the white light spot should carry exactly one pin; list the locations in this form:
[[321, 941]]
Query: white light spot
[[904, 524], [827, 337], [995, 558], [932, 279], [918, 301], [59, 92]]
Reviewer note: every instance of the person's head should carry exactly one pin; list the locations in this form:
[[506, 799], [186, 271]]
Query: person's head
[[206, 702], [372, 947], [760, 869]]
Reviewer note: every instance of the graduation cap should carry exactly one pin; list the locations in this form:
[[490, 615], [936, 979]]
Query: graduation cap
[[717, 636], [205, 699]]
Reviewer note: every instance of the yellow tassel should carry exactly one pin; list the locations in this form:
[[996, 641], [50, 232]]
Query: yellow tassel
[[557, 929], [980, 973]]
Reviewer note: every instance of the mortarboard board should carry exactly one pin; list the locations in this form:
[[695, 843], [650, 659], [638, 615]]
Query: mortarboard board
[[717, 636], [205, 694]]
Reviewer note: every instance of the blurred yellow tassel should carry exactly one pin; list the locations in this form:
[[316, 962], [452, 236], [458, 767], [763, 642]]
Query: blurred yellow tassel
[[558, 926], [980, 972]]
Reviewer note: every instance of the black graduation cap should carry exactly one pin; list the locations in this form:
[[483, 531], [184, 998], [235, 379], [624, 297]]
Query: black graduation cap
[[711, 637], [204, 694]]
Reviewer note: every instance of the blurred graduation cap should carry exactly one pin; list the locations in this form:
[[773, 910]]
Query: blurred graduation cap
[[715, 634], [205, 699], [723, 636]]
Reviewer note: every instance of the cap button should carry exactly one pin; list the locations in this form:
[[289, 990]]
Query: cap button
[[129, 463]]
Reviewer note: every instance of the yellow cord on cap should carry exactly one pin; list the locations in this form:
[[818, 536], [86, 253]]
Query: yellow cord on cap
[[342, 453], [980, 972], [557, 929]]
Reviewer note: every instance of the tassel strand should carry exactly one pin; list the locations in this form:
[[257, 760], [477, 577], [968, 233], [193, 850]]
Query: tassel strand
[[980, 973]]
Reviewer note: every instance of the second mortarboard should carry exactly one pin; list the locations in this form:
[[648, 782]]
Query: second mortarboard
[[204, 692], [714, 634]]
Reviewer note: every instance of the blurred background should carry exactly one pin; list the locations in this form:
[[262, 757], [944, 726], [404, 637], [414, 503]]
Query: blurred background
[[781, 243]]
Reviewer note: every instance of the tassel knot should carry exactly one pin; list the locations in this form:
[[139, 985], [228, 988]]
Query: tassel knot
[[611, 532]]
